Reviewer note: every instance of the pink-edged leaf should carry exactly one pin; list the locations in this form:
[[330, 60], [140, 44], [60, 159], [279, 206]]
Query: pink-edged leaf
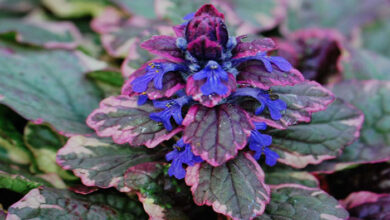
[[302, 100], [49, 86], [42, 33], [120, 34], [315, 52], [367, 205], [294, 201], [323, 138], [48, 203], [216, 134], [254, 73], [121, 118], [193, 89], [100, 162], [83, 189], [373, 146], [172, 82], [164, 46], [156, 198], [244, 49], [235, 189]]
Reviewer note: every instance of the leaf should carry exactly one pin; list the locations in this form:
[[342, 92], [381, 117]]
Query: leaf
[[18, 5], [164, 46], [323, 138], [373, 146], [277, 176], [216, 134], [49, 86], [364, 65], [302, 100], [344, 16], [255, 74], [367, 205], [141, 8], [75, 8], [121, 35], [374, 36], [235, 189], [100, 162], [42, 33], [15, 178], [44, 144], [315, 52], [161, 195], [121, 118], [48, 203], [109, 81], [296, 202], [12, 148]]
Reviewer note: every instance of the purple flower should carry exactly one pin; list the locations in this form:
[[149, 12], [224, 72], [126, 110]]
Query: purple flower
[[259, 143], [155, 72], [181, 154], [280, 62], [214, 75], [172, 108], [274, 106]]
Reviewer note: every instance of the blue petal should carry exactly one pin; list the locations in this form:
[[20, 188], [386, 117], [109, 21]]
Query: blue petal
[[260, 125], [142, 99], [281, 63], [267, 64], [140, 84], [189, 16], [172, 155], [200, 75], [176, 169], [275, 108], [271, 157], [158, 80]]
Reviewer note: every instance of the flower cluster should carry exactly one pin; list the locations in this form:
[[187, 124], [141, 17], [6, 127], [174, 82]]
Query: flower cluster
[[205, 68]]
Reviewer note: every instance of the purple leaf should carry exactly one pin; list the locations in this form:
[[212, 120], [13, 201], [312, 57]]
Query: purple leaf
[[164, 46], [245, 49], [100, 162], [216, 134], [323, 138], [204, 49], [368, 205], [315, 52], [121, 118], [172, 82], [235, 189], [302, 100], [255, 74], [294, 201], [193, 88]]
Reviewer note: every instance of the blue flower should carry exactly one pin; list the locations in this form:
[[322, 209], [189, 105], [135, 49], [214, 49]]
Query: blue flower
[[214, 74], [274, 106], [142, 99], [154, 71], [172, 108], [181, 154], [280, 62], [259, 143]]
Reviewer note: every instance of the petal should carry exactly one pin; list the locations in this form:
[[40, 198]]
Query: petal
[[281, 63], [260, 125], [271, 157], [142, 99]]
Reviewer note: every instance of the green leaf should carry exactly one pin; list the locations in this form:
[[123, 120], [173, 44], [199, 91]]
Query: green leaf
[[75, 8], [42, 33], [363, 65], [344, 16], [44, 144], [277, 176], [48, 203], [143, 8], [110, 82], [235, 189], [15, 178], [12, 148], [297, 202], [49, 86], [18, 5], [372, 98], [323, 138], [100, 162], [375, 36]]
